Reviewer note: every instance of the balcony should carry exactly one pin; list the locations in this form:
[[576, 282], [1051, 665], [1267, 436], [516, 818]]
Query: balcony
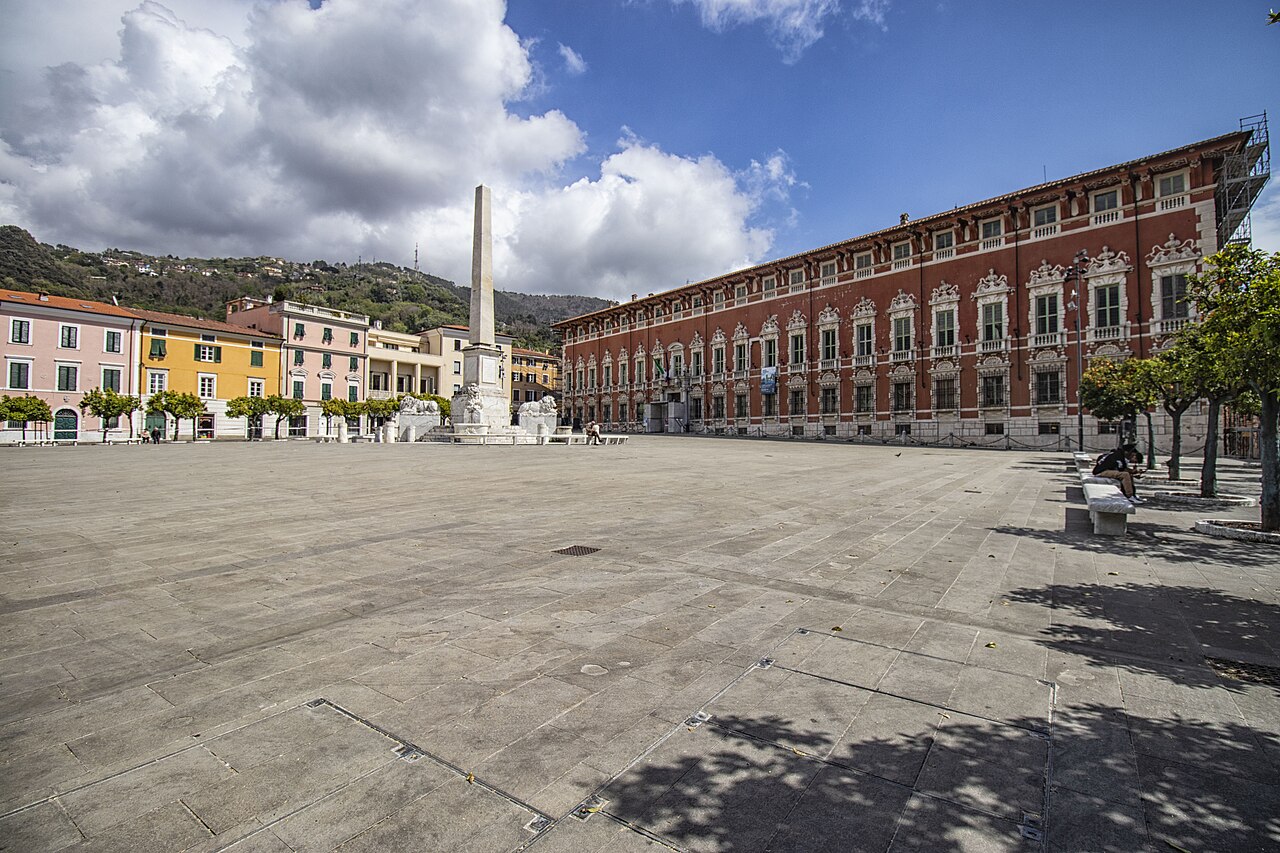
[[991, 243], [1043, 231], [1109, 333], [943, 254], [827, 281], [864, 272], [740, 375], [798, 367], [1048, 339], [1106, 217], [717, 376], [903, 263], [796, 287], [899, 356], [1168, 327], [947, 351], [864, 361], [993, 345], [829, 364], [379, 394], [1173, 202]]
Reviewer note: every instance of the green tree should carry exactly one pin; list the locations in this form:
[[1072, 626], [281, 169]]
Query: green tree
[[381, 410], [106, 403], [1239, 297], [26, 409], [250, 408], [284, 407], [181, 405], [338, 408], [1176, 381], [1218, 383]]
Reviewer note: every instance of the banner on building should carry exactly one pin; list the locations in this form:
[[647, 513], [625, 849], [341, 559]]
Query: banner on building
[[769, 380]]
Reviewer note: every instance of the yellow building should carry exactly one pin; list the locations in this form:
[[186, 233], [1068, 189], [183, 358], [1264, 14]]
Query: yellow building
[[215, 361]]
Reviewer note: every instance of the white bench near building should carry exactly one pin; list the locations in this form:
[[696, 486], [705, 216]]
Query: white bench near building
[[1109, 509]]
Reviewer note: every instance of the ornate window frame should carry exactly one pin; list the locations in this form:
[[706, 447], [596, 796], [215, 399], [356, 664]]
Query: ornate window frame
[[992, 289], [1046, 280], [945, 297], [903, 305], [1171, 258], [1104, 270], [863, 314]]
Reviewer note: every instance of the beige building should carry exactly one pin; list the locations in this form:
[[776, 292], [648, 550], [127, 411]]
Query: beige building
[[401, 363], [448, 342], [534, 375]]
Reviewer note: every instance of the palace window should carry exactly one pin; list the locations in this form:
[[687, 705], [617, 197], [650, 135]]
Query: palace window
[[944, 240], [828, 401], [1172, 185], [992, 391], [1173, 297], [717, 407], [901, 334], [770, 352], [1047, 314], [1107, 305], [902, 396], [944, 328], [740, 357], [901, 251], [797, 349], [828, 344], [1107, 200], [992, 228], [695, 362], [717, 360], [992, 321], [797, 406], [740, 406], [864, 399], [769, 405], [695, 409], [1048, 388], [862, 262], [862, 336], [1042, 216], [944, 394]]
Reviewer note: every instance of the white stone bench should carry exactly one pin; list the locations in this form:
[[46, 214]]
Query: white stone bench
[[1108, 507]]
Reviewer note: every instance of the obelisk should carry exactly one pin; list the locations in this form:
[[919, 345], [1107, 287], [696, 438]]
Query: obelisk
[[482, 405], [482, 272]]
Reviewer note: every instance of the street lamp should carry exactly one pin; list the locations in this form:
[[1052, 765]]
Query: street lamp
[[1076, 271]]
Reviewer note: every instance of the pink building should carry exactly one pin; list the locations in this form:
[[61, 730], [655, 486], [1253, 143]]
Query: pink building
[[323, 356], [57, 348]]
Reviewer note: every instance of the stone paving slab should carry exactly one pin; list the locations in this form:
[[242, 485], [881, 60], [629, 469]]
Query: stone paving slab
[[958, 663]]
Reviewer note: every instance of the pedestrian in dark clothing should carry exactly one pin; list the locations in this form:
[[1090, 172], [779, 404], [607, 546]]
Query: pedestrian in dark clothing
[[1121, 465]]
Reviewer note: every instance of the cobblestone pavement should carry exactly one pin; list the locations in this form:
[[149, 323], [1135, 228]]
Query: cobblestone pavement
[[777, 646]]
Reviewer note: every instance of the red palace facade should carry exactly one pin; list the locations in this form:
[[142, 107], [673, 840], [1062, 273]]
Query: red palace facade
[[959, 327]]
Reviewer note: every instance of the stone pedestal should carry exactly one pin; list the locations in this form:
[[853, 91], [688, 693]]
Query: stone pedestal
[[343, 438], [414, 426]]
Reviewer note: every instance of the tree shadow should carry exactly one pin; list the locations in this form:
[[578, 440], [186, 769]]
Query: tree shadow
[[1148, 540], [1104, 780], [1156, 629]]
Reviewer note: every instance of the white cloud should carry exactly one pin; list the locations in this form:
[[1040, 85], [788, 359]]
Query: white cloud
[[794, 25], [573, 61], [1266, 221], [359, 128], [872, 11]]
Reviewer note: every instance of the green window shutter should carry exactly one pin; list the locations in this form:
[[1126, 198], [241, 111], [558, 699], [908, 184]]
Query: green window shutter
[[255, 359], [355, 339], [326, 360], [217, 354], [355, 363], [352, 393], [197, 352]]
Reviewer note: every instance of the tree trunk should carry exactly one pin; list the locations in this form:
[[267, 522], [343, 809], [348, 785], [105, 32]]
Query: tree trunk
[[1151, 442], [1175, 449], [1209, 468], [177, 422], [1270, 460], [277, 430]]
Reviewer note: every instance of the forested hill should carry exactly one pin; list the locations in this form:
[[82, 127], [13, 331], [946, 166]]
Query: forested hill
[[404, 300]]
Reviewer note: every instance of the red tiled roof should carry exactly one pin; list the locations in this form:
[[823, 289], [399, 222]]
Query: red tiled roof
[[197, 323], [66, 303]]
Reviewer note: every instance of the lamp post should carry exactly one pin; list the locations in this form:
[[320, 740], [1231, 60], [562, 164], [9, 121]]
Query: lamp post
[[1076, 271]]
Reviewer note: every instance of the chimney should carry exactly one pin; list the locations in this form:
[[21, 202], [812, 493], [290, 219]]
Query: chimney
[[270, 298], [634, 297]]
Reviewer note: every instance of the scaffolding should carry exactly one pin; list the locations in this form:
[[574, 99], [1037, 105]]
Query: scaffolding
[[1242, 178]]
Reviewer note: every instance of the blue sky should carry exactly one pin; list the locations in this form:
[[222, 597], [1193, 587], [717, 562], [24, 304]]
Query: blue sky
[[631, 144]]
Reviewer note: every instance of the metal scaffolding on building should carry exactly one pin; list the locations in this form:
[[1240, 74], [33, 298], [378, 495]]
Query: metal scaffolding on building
[[1243, 176]]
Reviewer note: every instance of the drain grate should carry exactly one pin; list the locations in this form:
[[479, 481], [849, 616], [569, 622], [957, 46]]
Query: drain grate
[[1253, 673], [576, 550]]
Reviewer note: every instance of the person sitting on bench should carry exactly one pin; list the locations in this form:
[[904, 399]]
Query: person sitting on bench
[[1121, 464]]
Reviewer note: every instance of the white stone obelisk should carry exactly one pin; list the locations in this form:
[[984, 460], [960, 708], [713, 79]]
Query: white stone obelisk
[[481, 406]]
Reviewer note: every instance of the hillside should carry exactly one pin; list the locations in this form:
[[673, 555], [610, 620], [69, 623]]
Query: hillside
[[404, 300]]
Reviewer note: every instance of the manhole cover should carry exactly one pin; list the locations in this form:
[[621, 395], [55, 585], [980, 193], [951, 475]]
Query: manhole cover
[[576, 550], [1252, 673]]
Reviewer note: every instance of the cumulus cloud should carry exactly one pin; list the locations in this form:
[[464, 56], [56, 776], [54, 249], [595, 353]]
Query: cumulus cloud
[[573, 61], [1266, 221], [359, 127], [794, 25]]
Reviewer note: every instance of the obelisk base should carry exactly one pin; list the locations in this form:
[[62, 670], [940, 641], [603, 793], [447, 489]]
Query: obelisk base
[[482, 399]]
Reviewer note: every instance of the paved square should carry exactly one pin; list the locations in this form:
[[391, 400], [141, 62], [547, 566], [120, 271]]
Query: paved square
[[779, 646]]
